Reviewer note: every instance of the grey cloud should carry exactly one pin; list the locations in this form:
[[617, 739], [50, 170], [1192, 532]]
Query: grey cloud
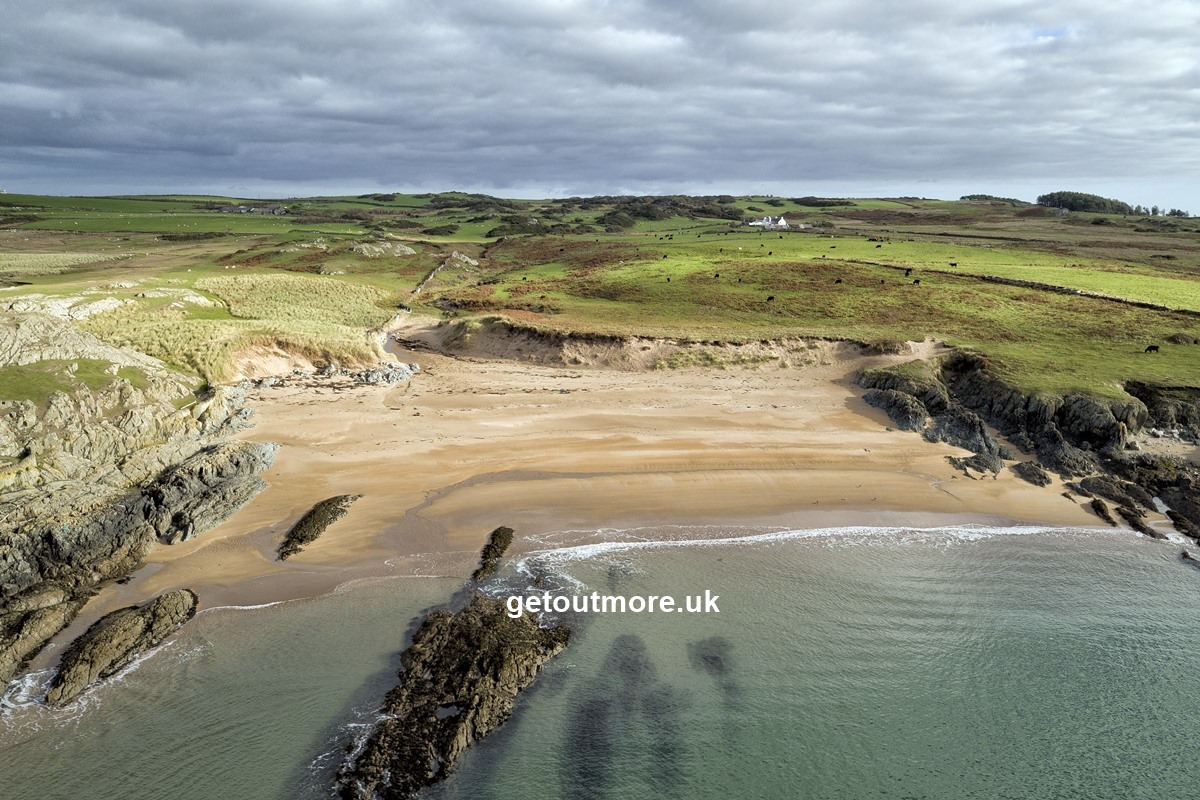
[[580, 97]]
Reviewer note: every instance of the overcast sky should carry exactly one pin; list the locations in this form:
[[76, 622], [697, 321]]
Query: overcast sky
[[539, 98]]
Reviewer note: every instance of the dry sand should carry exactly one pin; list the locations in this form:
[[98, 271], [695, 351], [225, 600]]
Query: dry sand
[[473, 443]]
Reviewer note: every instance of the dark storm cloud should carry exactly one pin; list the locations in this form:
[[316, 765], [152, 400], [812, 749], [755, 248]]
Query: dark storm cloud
[[575, 96]]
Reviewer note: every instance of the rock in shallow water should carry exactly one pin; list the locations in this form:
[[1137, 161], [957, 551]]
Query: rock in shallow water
[[115, 640], [459, 681]]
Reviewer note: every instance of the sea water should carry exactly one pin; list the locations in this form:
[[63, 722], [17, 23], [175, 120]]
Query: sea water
[[850, 663]]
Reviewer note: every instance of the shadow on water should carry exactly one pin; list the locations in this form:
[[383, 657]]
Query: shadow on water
[[714, 657], [626, 721]]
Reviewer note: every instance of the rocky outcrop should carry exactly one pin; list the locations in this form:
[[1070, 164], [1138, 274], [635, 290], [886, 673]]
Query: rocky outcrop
[[25, 631], [206, 489], [1100, 509], [91, 476], [48, 570], [955, 399], [310, 527], [906, 411], [917, 399], [1030, 472], [1174, 409], [459, 680], [113, 642], [489, 558]]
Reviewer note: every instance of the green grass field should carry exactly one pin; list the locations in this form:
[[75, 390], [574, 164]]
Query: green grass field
[[305, 281]]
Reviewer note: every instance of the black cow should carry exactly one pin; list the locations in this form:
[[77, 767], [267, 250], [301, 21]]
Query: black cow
[[879, 245], [917, 282], [716, 274], [954, 263], [770, 298], [839, 280], [908, 272], [1152, 348]]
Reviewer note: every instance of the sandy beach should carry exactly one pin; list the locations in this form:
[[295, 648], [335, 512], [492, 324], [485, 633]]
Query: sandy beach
[[472, 443]]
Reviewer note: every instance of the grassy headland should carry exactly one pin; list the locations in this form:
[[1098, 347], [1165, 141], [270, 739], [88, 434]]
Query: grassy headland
[[1058, 302]]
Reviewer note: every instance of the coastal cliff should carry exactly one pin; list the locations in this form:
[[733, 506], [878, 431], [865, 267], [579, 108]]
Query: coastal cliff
[[103, 452], [956, 398]]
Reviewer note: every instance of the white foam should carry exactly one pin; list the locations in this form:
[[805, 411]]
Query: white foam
[[620, 542], [255, 607]]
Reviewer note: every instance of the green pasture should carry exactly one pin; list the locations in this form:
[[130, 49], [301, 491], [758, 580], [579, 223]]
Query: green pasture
[[36, 382], [303, 286], [1042, 340]]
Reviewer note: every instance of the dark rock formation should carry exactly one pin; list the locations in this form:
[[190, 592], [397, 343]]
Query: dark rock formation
[[1100, 508], [115, 640], [1031, 472], [1123, 493], [1074, 435], [314, 523], [206, 489], [906, 411], [459, 680], [127, 454], [980, 462], [1170, 408], [493, 551], [62, 560], [1137, 521], [963, 428], [23, 633]]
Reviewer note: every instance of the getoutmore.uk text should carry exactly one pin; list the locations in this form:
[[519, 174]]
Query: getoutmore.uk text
[[596, 603]]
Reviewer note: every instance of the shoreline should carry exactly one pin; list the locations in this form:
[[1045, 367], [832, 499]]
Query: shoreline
[[469, 444]]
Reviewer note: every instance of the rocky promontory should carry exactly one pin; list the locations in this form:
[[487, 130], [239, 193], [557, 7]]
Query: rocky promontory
[[115, 640], [458, 683], [959, 399], [104, 451]]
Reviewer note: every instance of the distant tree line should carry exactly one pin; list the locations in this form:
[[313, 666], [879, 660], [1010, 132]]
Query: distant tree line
[[821, 202], [1081, 201]]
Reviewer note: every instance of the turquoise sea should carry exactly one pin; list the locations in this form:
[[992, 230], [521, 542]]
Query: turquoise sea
[[853, 663]]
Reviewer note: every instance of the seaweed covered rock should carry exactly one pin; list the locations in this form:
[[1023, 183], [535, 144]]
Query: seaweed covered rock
[[497, 544], [458, 682], [313, 524], [115, 640]]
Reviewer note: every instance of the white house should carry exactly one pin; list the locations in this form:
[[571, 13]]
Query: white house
[[770, 223]]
